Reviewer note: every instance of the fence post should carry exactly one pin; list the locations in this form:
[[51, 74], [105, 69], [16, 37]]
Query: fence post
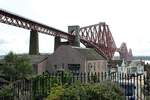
[[137, 87], [105, 76], [88, 77], [81, 78], [84, 77], [148, 85], [102, 76], [62, 78], [98, 77]]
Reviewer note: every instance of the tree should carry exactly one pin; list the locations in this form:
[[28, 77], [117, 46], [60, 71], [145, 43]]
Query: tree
[[10, 58], [16, 67]]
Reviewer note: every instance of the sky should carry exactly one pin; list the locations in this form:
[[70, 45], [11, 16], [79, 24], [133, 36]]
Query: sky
[[128, 21]]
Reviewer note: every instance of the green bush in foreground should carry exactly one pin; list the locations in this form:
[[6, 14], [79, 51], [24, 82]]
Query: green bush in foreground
[[99, 91], [147, 97], [6, 90], [56, 93]]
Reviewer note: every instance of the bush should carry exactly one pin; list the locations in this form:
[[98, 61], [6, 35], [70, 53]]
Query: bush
[[56, 93], [147, 97], [77, 91], [42, 84], [103, 91], [6, 90]]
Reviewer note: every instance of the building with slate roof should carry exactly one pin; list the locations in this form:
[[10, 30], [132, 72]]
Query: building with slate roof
[[76, 60]]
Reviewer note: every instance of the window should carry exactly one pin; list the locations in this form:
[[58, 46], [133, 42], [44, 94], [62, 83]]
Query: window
[[55, 67], [89, 66], [62, 65], [74, 68]]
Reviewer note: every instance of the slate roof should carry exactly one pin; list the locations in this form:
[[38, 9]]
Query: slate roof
[[89, 53], [35, 59]]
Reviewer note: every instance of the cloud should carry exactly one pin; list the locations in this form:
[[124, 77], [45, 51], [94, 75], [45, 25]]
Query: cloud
[[2, 41], [128, 21]]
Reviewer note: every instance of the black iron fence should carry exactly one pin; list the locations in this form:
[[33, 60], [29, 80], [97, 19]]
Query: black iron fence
[[134, 87]]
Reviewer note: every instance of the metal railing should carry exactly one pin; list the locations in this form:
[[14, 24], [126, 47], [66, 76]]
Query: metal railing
[[137, 87]]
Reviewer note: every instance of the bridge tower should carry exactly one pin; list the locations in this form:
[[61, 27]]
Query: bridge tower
[[74, 29], [71, 41], [123, 51]]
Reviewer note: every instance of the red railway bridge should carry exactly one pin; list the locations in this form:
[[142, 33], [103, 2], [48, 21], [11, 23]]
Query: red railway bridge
[[97, 36]]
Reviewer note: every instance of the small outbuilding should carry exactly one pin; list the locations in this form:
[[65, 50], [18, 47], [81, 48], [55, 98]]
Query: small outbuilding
[[76, 60]]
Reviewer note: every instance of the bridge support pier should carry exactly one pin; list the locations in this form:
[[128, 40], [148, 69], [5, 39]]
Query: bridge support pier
[[76, 40], [34, 43], [57, 42]]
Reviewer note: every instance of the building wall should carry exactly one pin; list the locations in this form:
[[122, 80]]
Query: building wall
[[63, 56], [96, 66], [41, 67]]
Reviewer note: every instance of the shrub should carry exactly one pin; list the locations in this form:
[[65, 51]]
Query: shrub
[[56, 93], [42, 84], [147, 97], [77, 91], [103, 91], [6, 90]]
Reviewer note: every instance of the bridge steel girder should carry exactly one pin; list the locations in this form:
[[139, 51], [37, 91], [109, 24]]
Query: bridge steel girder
[[19, 21]]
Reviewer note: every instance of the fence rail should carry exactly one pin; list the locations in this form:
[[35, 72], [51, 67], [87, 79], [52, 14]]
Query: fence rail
[[40, 86]]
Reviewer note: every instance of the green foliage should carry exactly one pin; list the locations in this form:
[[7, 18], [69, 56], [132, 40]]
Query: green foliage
[[11, 57], [8, 71], [6, 90], [42, 84], [66, 77], [147, 97], [16, 67], [93, 78], [103, 91], [77, 91], [56, 93], [23, 67]]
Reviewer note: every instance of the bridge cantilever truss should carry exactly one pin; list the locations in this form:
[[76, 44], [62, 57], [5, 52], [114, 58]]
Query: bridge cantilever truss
[[97, 36]]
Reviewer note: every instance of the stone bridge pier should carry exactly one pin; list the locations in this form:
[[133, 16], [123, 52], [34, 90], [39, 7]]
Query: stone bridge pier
[[34, 43]]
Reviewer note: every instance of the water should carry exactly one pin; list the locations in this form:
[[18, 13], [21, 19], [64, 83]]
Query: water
[[147, 61]]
